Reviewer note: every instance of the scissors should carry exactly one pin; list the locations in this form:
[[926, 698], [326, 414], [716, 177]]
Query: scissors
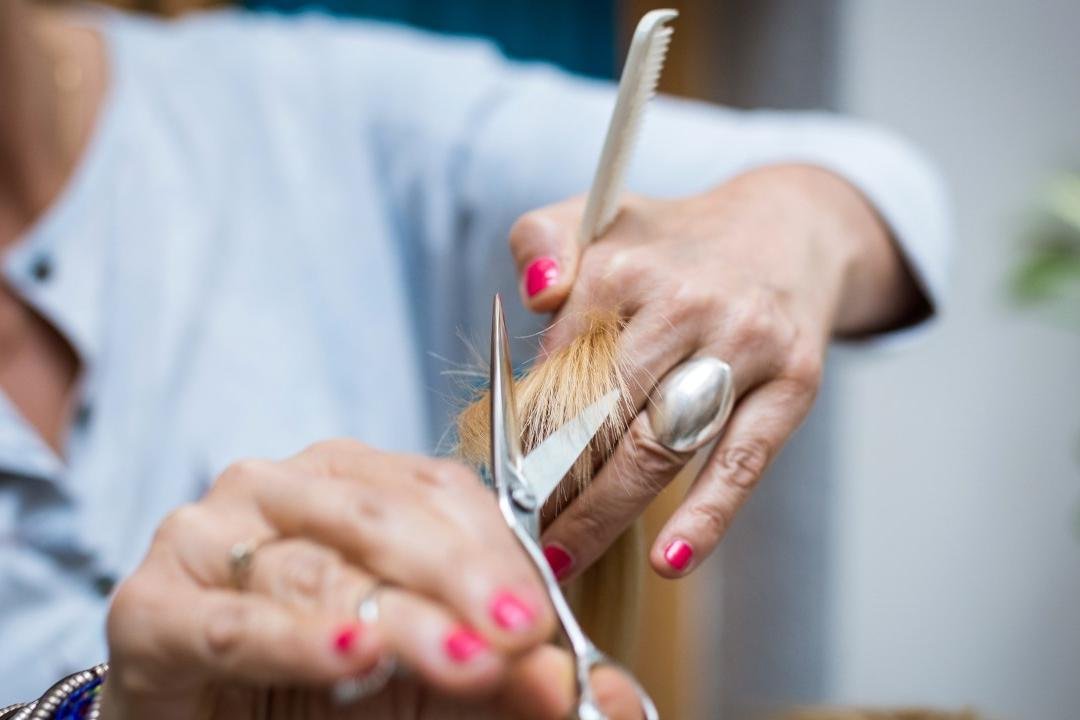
[[524, 483]]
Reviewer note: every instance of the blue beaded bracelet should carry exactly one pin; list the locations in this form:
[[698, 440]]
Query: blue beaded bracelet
[[77, 705], [76, 697]]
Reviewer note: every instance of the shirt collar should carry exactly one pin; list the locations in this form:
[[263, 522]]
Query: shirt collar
[[59, 265]]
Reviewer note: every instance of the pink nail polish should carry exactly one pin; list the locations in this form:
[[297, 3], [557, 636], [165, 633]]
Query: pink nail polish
[[464, 644], [345, 638], [541, 274], [678, 554], [559, 560], [511, 613]]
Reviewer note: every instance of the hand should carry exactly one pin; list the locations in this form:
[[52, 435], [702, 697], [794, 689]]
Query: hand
[[759, 272], [462, 609]]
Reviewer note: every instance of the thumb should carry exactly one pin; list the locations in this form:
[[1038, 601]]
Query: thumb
[[545, 249], [542, 684]]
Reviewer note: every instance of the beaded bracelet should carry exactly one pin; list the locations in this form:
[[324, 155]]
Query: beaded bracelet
[[76, 697]]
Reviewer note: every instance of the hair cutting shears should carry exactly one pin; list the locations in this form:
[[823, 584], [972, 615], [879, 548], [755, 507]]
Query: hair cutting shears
[[524, 483]]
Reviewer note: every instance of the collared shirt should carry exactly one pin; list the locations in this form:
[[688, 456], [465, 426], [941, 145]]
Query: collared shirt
[[277, 235]]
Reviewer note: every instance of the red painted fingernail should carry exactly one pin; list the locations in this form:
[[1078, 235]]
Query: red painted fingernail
[[541, 274], [345, 638], [559, 560], [678, 554], [511, 613], [464, 644]]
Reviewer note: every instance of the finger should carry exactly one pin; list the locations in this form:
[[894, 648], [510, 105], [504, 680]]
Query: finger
[[453, 489], [542, 685], [622, 489], [448, 653], [422, 635], [308, 576], [231, 636], [761, 425], [389, 526], [545, 249], [640, 466], [617, 273]]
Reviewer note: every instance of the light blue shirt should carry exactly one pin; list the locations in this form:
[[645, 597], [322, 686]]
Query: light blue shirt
[[275, 237]]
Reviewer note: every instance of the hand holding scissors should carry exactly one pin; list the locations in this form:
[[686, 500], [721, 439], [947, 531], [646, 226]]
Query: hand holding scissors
[[523, 484]]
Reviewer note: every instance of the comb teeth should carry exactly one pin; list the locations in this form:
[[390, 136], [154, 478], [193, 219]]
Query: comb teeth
[[646, 90], [640, 77]]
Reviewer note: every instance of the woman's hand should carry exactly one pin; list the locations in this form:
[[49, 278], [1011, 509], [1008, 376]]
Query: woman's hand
[[462, 608], [759, 272]]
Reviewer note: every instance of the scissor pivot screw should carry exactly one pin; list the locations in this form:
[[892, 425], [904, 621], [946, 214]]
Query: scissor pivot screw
[[524, 498]]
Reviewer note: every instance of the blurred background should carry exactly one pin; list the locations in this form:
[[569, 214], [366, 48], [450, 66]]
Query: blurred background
[[947, 569]]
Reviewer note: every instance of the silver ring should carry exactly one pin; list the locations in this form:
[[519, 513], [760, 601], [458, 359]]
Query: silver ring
[[691, 404], [241, 558], [348, 691]]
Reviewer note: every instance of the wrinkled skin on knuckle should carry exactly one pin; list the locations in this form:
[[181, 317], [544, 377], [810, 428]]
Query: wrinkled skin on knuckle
[[360, 511], [754, 323], [241, 477], [631, 267], [714, 518], [594, 282], [227, 625], [337, 457], [686, 304], [592, 527], [743, 464], [183, 525], [310, 576], [446, 474], [803, 373], [648, 462]]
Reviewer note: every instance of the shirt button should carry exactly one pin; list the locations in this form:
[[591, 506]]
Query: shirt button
[[42, 268], [82, 415], [104, 584]]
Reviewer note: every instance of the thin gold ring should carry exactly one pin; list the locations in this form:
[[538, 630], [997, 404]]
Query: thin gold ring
[[242, 558]]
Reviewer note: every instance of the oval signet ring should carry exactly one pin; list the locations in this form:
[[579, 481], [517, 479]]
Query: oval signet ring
[[690, 405]]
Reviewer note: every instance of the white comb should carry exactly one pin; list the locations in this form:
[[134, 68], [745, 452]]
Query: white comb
[[640, 75]]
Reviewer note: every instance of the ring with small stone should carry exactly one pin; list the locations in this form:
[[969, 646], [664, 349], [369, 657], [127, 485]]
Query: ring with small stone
[[241, 559], [357, 688]]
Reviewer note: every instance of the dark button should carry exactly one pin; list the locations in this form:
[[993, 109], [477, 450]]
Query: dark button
[[42, 269], [104, 584], [83, 414]]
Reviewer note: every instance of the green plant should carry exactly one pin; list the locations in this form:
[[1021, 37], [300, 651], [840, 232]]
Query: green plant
[[1049, 274]]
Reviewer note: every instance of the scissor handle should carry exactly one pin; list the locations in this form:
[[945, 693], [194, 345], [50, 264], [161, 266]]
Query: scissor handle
[[587, 709], [526, 528]]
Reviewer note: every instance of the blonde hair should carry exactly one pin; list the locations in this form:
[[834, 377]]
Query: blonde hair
[[552, 392]]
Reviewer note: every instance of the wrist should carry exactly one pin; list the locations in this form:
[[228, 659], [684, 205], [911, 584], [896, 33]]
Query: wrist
[[866, 284]]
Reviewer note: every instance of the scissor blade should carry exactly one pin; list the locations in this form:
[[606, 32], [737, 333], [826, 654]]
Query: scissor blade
[[549, 461], [505, 436]]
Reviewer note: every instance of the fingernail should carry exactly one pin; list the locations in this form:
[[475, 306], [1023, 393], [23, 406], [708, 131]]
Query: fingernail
[[464, 644], [678, 554], [541, 274], [511, 613], [559, 560], [345, 638]]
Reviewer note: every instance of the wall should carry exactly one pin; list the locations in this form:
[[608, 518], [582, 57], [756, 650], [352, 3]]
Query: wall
[[957, 570]]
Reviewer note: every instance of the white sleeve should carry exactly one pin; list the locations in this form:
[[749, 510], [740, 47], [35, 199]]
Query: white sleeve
[[541, 143], [468, 141]]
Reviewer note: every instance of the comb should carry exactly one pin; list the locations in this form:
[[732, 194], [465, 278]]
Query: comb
[[640, 75]]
